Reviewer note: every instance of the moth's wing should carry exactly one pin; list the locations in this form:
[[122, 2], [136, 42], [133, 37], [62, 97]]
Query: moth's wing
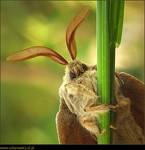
[[69, 129], [135, 90]]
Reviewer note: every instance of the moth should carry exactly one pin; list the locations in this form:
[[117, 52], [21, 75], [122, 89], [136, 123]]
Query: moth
[[80, 107]]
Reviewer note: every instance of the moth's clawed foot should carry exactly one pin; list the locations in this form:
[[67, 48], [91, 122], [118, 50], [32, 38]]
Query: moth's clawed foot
[[121, 82], [113, 127], [102, 108], [114, 107]]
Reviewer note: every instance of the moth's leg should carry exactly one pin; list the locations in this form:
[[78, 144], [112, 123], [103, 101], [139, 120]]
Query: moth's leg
[[90, 122], [98, 108], [90, 119]]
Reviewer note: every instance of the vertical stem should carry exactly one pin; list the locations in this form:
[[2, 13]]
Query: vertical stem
[[103, 67], [108, 30]]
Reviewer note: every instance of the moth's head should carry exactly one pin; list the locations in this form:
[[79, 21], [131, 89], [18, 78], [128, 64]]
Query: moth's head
[[75, 69]]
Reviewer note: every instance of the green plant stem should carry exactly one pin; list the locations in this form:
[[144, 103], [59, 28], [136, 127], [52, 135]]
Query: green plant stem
[[109, 23], [103, 68]]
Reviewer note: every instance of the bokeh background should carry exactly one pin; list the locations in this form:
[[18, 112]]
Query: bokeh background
[[29, 90]]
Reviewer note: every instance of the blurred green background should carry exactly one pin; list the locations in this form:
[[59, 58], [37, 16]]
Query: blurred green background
[[29, 90]]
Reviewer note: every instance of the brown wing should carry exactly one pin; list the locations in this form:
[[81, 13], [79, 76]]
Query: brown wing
[[69, 129], [135, 90]]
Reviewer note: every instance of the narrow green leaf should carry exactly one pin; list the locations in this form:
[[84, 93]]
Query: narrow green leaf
[[120, 23], [115, 17]]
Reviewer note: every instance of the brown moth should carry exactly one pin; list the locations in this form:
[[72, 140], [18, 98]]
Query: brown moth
[[77, 119]]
